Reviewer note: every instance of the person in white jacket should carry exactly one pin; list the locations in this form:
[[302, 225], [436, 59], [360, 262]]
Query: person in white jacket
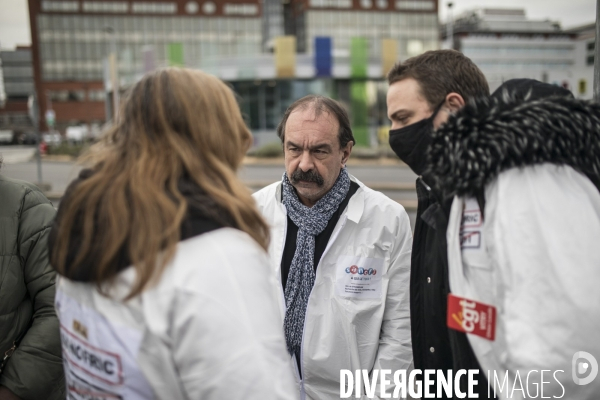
[[342, 254], [165, 289], [523, 237]]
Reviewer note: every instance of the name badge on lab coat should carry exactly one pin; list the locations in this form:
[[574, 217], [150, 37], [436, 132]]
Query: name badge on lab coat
[[472, 237], [100, 359], [359, 277]]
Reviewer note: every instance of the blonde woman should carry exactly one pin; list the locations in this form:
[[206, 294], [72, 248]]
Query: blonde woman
[[166, 290]]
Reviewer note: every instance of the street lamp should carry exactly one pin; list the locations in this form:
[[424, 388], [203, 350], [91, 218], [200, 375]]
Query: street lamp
[[597, 55], [449, 26], [112, 62], [50, 114]]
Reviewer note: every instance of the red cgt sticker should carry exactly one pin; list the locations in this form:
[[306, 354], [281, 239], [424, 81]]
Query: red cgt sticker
[[472, 317]]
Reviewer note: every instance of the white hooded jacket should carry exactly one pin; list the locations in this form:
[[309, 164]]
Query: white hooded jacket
[[349, 325], [535, 257], [532, 253], [210, 328]]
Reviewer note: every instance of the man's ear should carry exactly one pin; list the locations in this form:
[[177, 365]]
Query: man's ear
[[451, 105], [346, 152], [454, 102]]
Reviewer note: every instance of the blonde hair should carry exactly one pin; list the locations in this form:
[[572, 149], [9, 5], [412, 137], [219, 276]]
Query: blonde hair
[[174, 123]]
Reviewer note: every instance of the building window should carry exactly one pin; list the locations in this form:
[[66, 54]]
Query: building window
[[415, 5], [62, 6], [582, 86], [157, 8], [382, 4], [331, 3], [590, 60], [366, 3], [60, 96], [517, 50], [209, 7], [74, 46], [524, 65], [191, 7], [414, 47], [96, 95], [105, 6], [591, 46], [240, 9]]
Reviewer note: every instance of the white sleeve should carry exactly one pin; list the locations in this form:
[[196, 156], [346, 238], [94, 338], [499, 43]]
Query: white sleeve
[[395, 345], [227, 330], [545, 245]]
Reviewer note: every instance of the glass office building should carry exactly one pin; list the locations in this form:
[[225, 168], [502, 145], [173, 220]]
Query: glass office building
[[505, 44], [233, 39], [74, 47]]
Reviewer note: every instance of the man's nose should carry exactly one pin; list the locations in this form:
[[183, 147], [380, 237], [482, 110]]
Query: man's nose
[[306, 161]]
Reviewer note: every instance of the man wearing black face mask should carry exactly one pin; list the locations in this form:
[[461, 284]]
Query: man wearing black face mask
[[523, 167], [423, 92]]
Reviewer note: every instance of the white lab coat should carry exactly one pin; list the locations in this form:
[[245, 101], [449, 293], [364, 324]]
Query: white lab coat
[[536, 258], [348, 327], [210, 328]]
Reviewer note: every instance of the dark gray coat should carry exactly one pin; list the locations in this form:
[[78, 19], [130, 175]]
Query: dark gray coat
[[35, 370]]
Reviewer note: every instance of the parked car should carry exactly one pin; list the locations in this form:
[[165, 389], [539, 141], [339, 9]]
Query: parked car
[[77, 133], [28, 138], [6, 136], [52, 138], [95, 131]]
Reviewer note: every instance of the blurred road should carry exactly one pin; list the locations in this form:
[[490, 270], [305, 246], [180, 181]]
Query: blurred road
[[15, 154], [57, 174], [395, 181]]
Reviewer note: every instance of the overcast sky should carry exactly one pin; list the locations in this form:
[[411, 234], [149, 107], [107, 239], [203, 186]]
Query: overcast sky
[[14, 18], [569, 13]]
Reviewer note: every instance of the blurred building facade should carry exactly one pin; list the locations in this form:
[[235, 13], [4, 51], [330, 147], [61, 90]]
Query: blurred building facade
[[271, 51], [505, 44], [16, 85], [581, 76]]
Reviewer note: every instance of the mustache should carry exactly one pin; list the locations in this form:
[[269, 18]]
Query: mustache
[[308, 176]]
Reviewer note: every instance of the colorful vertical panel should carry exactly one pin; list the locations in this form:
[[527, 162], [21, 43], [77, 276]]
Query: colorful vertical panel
[[113, 71], [360, 112], [359, 57], [389, 55], [149, 58], [323, 59], [285, 56], [175, 54]]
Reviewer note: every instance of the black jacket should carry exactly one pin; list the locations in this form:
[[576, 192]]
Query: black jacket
[[434, 345], [428, 283]]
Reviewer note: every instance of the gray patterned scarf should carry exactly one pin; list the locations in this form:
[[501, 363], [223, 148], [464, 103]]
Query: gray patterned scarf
[[301, 278]]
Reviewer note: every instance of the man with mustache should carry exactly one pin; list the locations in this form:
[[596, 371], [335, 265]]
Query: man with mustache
[[342, 252]]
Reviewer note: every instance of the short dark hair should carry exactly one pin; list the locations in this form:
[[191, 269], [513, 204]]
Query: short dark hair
[[320, 104], [440, 72]]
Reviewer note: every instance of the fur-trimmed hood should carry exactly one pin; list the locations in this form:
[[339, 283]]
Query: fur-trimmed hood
[[492, 135]]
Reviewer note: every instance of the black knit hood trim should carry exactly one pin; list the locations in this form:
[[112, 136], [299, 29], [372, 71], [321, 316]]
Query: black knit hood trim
[[492, 135]]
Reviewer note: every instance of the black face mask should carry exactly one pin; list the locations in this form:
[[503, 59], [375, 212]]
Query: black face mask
[[410, 142]]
